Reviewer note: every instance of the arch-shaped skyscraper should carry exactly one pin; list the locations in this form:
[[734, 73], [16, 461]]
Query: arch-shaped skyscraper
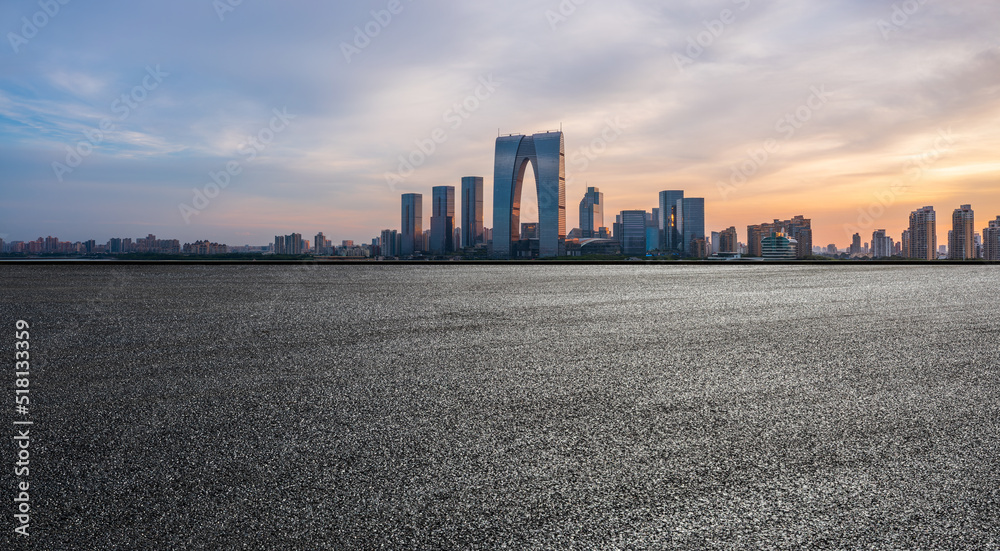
[[546, 154]]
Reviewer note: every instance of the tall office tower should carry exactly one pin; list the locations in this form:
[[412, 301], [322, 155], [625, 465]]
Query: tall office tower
[[545, 152], [691, 221], [389, 243], [671, 239], [882, 245], [961, 238], [472, 211], [591, 212], [443, 220], [412, 226], [977, 241], [923, 234], [727, 241], [652, 230], [855, 245], [991, 240], [633, 232], [457, 239], [904, 244]]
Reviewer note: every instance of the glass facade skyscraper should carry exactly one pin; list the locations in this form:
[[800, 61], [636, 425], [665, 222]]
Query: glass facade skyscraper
[[412, 230], [591, 213], [443, 220], [690, 222], [472, 211], [671, 238], [545, 152], [633, 232]]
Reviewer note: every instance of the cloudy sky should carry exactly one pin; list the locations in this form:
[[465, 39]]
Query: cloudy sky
[[115, 115]]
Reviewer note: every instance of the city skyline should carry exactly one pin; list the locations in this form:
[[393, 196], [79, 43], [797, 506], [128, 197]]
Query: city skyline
[[854, 114]]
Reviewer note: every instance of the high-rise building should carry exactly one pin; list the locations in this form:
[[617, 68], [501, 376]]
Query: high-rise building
[[472, 211], [671, 238], [545, 152], [389, 243], [923, 234], [755, 234], [652, 230], [412, 226], [321, 244], [591, 212], [294, 244], [855, 249], [882, 245], [529, 230], [691, 220], [699, 248], [727, 241], [798, 229], [991, 240], [633, 232], [443, 220], [961, 238]]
